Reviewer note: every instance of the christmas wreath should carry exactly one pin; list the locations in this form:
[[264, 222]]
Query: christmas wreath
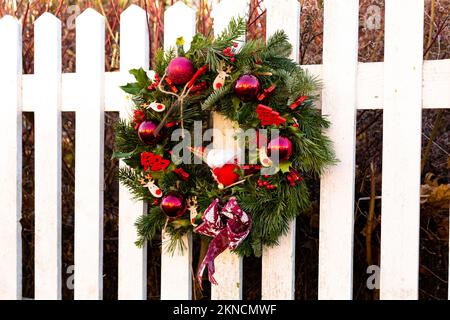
[[242, 197]]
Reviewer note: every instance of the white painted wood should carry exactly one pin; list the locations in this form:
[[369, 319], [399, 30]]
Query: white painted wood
[[436, 80], [340, 60], [402, 129], [11, 159], [279, 282], [47, 119], [134, 53], [176, 268], [90, 36], [229, 266], [179, 21]]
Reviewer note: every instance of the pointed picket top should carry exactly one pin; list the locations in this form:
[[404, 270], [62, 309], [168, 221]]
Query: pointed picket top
[[47, 18], [134, 42], [10, 161], [132, 10], [281, 3], [179, 21], [225, 10], [8, 21], [179, 7], [90, 15]]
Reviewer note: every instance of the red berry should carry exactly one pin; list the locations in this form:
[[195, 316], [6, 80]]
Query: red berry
[[266, 176], [232, 59], [265, 183], [235, 44]]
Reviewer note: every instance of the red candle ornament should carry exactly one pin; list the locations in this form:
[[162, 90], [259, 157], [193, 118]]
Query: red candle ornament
[[297, 102], [266, 92]]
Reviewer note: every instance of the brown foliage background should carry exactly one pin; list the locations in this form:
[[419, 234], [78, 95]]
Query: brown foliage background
[[435, 148]]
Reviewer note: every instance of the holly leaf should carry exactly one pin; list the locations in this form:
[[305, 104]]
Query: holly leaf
[[127, 155], [284, 166], [142, 82], [141, 77], [132, 88], [122, 155]]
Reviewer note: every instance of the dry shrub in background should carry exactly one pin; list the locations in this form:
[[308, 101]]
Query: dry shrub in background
[[435, 147]]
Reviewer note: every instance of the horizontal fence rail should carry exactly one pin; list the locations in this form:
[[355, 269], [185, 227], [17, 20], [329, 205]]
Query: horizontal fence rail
[[402, 85], [369, 96]]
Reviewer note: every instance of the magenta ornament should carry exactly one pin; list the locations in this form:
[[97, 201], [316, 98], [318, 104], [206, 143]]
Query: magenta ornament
[[146, 132], [173, 205], [247, 87], [180, 70], [283, 145]]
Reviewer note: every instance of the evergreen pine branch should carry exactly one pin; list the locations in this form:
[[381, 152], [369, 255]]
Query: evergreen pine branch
[[149, 225], [128, 177]]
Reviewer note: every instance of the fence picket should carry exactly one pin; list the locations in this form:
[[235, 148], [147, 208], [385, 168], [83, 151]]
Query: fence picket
[[229, 266], [279, 283], [134, 50], [48, 155], [11, 159], [176, 268], [90, 36], [340, 58], [402, 129]]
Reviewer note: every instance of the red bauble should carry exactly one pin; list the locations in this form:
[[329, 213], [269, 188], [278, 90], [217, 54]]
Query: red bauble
[[226, 174], [247, 87], [173, 205], [283, 145], [180, 70], [146, 132]]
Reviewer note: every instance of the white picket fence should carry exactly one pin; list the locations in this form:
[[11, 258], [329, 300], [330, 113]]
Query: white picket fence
[[401, 85]]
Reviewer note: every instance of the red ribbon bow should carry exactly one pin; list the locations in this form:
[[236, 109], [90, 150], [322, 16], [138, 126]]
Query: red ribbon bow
[[228, 226]]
